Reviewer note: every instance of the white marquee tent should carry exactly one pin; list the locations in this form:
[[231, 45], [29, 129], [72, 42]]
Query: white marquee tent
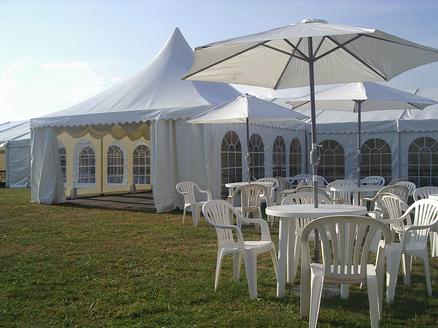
[[156, 95], [15, 152]]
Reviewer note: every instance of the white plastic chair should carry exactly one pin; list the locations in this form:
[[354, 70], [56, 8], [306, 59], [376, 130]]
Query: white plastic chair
[[399, 190], [219, 214], [342, 197], [345, 245], [408, 184], [424, 192], [373, 180], [271, 197], [413, 237], [188, 189], [250, 199], [308, 180]]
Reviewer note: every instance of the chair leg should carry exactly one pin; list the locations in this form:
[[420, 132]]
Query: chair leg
[[316, 283], [196, 214], [184, 214], [427, 272], [373, 299], [220, 257], [274, 261], [407, 259], [250, 261], [236, 266]]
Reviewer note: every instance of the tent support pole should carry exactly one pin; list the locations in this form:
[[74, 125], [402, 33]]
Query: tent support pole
[[101, 165], [247, 149], [314, 151]]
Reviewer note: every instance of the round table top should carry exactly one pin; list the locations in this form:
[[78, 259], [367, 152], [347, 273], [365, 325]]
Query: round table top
[[355, 188], [308, 211], [243, 183], [433, 196]]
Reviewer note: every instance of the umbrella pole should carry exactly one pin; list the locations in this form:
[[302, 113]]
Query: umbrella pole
[[314, 151], [359, 136], [247, 149]]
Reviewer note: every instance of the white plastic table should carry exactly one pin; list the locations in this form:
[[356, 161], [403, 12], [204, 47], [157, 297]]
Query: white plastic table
[[287, 215], [355, 190]]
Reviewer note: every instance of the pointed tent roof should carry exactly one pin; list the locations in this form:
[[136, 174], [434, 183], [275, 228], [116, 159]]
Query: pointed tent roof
[[156, 91]]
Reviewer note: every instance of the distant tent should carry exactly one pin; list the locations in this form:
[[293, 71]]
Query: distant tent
[[15, 154]]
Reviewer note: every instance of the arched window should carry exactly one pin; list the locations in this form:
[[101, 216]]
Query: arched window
[[376, 159], [87, 166], [256, 157], [231, 159], [63, 163], [115, 165], [331, 165], [279, 157], [423, 162], [141, 165], [295, 157]]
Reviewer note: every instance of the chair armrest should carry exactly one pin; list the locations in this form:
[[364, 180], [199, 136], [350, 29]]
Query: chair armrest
[[231, 227], [264, 228]]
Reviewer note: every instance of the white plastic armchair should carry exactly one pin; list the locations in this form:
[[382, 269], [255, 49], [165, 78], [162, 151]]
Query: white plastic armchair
[[395, 207], [188, 189], [413, 237], [250, 199], [220, 214], [275, 185], [373, 180], [345, 245], [398, 190], [308, 179], [424, 192], [341, 197], [408, 184]]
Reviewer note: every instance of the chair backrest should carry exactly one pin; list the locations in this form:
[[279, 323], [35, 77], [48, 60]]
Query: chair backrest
[[425, 213], [394, 181], [187, 189], [250, 196], [342, 196], [274, 181], [373, 180], [304, 188], [424, 192], [308, 179], [408, 184], [284, 183], [399, 190], [345, 243], [394, 207], [220, 213]]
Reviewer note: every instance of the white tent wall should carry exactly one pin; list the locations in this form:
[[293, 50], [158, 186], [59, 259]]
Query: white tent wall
[[17, 163]]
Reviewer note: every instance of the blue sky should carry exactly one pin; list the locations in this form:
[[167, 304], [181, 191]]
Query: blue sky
[[56, 53]]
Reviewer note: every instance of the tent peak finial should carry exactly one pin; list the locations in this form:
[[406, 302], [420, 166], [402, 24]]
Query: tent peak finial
[[313, 20]]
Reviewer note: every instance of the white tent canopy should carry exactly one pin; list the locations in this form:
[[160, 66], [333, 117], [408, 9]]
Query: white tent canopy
[[155, 94]]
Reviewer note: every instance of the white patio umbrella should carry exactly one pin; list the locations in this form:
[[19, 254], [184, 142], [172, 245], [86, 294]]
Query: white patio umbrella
[[245, 109], [308, 53], [361, 97]]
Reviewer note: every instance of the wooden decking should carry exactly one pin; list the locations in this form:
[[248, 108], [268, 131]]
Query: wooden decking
[[133, 202]]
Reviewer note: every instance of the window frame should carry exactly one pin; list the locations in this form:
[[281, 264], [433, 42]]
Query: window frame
[[325, 152], [147, 165], [422, 150], [279, 157], [376, 164], [256, 156], [121, 165], [231, 148], [295, 157]]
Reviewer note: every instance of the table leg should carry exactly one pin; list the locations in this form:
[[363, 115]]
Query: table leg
[[356, 198], [292, 248], [282, 255]]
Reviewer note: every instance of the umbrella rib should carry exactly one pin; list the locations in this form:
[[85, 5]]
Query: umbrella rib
[[287, 64], [338, 46], [319, 45], [359, 60], [224, 59], [306, 58], [401, 43], [276, 49]]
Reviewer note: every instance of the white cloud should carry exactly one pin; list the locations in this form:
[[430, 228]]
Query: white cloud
[[29, 88]]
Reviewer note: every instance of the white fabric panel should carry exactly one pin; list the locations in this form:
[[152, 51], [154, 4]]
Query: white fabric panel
[[18, 163], [180, 151], [46, 178]]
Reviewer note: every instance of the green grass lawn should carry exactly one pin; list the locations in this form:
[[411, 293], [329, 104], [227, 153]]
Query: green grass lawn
[[71, 266]]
